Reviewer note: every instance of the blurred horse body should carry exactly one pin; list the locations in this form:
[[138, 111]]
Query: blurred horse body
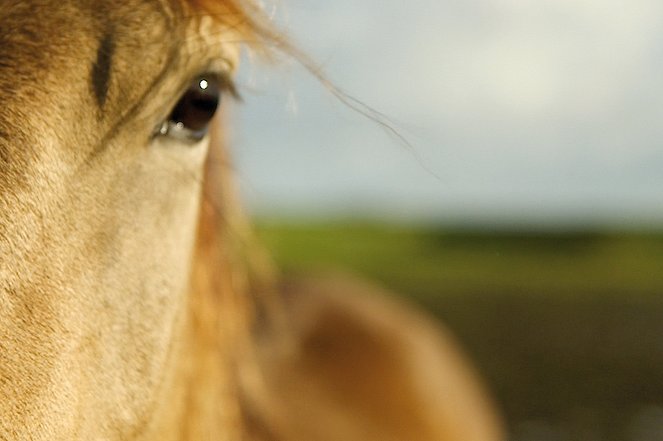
[[133, 302]]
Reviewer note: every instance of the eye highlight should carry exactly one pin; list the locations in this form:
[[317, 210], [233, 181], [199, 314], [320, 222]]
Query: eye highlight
[[191, 116]]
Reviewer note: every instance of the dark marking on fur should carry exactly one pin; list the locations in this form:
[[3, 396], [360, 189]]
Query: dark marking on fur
[[101, 69]]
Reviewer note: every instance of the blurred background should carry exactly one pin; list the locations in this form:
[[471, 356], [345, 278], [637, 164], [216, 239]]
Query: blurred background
[[525, 209]]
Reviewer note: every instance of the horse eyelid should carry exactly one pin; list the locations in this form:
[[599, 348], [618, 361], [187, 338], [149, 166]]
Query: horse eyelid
[[228, 85]]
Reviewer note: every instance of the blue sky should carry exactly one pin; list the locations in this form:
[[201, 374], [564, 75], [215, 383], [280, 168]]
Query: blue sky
[[517, 111]]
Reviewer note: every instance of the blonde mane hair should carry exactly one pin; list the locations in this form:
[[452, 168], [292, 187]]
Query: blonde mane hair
[[246, 287]]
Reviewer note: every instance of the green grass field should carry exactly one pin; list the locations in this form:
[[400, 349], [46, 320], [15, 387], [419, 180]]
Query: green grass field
[[428, 262], [566, 327]]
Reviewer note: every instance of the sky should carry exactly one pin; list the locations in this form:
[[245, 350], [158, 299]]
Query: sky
[[540, 112]]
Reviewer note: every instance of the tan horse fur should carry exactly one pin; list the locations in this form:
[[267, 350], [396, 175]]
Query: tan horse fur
[[133, 303]]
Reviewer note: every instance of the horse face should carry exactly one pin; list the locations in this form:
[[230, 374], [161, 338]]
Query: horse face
[[99, 197]]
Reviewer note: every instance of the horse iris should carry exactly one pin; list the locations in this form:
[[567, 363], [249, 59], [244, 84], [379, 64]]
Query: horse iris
[[193, 112]]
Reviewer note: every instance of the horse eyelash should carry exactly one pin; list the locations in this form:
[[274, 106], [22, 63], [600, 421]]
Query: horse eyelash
[[229, 85]]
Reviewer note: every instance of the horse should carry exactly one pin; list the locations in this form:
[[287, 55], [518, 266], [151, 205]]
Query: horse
[[135, 303]]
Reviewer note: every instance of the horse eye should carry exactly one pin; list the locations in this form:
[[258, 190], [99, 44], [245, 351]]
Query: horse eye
[[191, 117]]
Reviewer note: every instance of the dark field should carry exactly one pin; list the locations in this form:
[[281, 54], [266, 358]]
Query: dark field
[[567, 328]]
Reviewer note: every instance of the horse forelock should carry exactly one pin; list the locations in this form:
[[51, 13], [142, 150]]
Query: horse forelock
[[247, 18], [241, 16]]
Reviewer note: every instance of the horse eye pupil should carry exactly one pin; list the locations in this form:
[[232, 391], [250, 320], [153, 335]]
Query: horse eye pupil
[[197, 106]]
